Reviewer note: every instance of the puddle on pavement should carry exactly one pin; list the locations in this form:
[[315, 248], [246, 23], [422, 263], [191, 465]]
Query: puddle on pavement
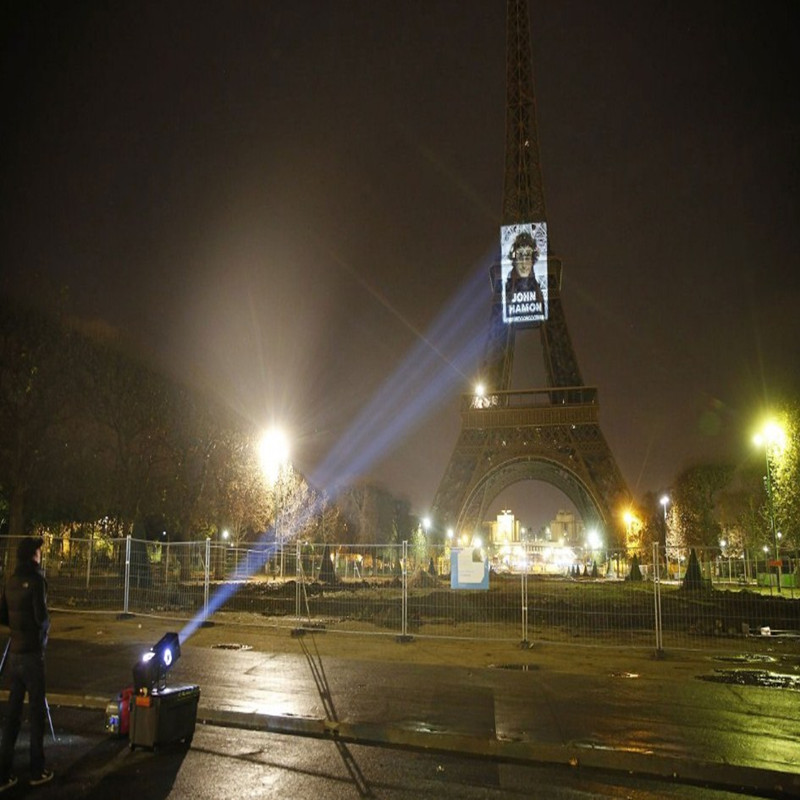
[[425, 727], [747, 658], [753, 677], [615, 748], [231, 646], [517, 667]]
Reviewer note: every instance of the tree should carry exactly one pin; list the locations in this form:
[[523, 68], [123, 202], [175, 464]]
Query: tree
[[298, 503], [652, 522], [785, 465], [693, 580], [35, 383], [327, 573], [695, 519], [741, 507], [196, 428], [127, 405], [375, 515], [419, 546], [636, 572], [329, 520], [240, 500]]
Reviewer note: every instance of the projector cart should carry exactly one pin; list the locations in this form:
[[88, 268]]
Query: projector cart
[[163, 717]]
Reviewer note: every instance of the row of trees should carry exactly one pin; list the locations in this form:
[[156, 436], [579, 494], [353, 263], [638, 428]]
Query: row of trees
[[712, 504], [94, 438]]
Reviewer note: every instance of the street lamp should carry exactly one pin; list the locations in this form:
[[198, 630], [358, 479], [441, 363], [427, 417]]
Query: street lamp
[[772, 439], [273, 450], [219, 552], [664, 503], [629, 520], [723, 543]]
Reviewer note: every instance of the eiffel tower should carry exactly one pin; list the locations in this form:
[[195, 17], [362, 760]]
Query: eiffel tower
[[550, 434]]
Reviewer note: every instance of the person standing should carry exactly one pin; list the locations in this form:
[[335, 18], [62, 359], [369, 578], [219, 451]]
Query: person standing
[[23, 607]]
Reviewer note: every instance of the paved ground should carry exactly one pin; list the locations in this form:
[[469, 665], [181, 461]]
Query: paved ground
[[588, 707]]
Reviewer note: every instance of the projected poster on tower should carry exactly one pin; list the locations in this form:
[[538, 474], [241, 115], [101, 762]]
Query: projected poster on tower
[[523, 270]]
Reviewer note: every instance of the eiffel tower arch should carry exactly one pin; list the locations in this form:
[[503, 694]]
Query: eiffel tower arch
[[551, 434]]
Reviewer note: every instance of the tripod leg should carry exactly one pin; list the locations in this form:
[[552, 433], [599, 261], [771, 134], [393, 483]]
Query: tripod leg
[[5, 656], [50, 719]]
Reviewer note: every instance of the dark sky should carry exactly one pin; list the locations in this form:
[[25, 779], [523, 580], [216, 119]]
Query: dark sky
[[283, 199]]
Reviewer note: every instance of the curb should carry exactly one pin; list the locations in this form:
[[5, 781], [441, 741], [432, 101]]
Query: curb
[[770, 783]]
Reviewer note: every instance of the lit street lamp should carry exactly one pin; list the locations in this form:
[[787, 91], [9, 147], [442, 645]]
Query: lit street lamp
[[220, 557], [273, 450], [664, 503], [629, 520], [772, 439]]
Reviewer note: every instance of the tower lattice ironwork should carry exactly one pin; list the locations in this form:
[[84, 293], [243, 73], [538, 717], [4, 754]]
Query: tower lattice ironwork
[[550, 434]]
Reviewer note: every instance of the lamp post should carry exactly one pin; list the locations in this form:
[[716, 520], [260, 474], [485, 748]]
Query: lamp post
[[629, 520], [664, 503], [723, 556], [426, 528], [274, 455], [772, 439]]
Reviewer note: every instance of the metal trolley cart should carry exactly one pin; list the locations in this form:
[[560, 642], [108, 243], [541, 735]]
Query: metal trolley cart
[[161, 715]]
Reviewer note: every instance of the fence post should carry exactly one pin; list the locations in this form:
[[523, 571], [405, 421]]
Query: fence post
[[127, 573], [206, 578], [89, 559], [524, 587], [657, 600], [298, 576], [404, 637]]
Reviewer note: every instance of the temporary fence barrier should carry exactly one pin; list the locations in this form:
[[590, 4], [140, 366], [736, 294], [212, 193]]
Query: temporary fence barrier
[[529, 593]]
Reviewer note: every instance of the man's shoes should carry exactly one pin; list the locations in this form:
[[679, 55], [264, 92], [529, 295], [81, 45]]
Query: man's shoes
[[10, 781], [46, 776]]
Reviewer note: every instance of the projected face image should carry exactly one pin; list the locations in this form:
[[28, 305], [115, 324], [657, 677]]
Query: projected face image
[[523, 254], [524, 272]]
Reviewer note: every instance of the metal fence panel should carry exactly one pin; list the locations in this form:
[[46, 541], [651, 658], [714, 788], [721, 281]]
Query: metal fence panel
[[83, 573], [728, 597], [537, 593]]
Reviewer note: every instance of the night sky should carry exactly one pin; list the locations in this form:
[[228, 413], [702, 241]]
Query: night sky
[[282, 200]]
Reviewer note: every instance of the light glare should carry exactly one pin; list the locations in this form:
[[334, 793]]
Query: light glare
[[273, 452]]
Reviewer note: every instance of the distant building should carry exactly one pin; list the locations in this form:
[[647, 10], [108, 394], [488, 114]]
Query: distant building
[[567, 527], [505, 529]]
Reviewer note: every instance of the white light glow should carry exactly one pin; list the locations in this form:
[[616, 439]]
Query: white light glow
[[273, 451]]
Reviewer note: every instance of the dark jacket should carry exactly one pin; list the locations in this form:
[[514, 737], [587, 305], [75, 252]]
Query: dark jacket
[[23, 607]]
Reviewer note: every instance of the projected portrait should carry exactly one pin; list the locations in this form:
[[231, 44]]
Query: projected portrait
[[523, 251]]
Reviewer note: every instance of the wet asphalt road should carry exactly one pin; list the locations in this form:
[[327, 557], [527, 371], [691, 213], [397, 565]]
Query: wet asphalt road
[[224, 763], [631, 705], [571, 724]]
